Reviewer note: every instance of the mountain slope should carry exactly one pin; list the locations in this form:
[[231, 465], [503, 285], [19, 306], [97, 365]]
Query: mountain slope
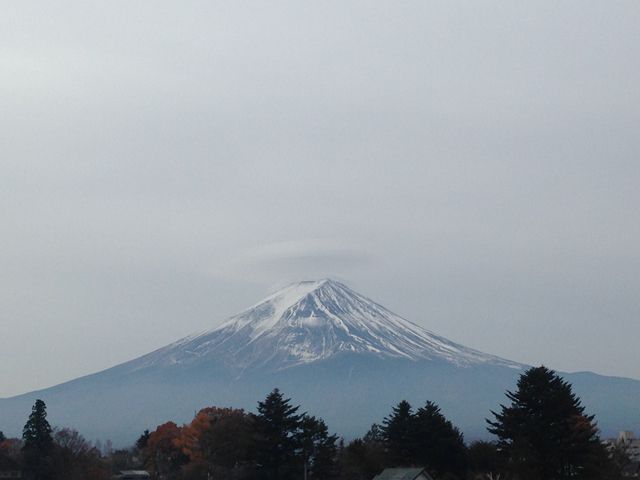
[[312, 321], [342, 356]]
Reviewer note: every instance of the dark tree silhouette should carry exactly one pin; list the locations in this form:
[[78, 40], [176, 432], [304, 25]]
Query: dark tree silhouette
[[38, 444], [277, 436], [424, 438], [75, 458], [363, 459], [143, 439], [483, 458], [318, 448], [545, 432], [399, 435], [439, 445]]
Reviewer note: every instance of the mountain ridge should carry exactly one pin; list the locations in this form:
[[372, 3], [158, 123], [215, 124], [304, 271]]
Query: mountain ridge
[[310, 321], [341, 355]]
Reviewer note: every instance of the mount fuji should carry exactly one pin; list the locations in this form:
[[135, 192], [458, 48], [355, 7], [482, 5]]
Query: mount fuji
[[339, 354], [310, 322]]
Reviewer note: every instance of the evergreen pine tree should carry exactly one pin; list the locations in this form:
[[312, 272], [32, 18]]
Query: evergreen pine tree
[[318, 448], [374, 434], [545, 432], [399, 435], [143, 440], [277, 442], [38, 444], [439, 445]]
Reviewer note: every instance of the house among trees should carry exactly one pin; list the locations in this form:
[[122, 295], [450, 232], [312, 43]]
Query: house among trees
[[629, 442], [626, 449], [403, 474]]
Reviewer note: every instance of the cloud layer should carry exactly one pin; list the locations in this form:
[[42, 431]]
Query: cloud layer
[[473, 166]]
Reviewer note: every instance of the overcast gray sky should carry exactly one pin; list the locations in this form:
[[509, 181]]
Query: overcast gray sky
[[473, 166]]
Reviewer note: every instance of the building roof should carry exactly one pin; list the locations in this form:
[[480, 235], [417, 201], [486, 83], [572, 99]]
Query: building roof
[[402, 474]]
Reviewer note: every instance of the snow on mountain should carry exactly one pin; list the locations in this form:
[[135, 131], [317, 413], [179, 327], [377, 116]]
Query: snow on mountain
[[308, 322], [328, 348]]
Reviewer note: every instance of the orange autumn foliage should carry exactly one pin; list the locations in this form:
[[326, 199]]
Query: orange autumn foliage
[[164, 454], [219, 436]]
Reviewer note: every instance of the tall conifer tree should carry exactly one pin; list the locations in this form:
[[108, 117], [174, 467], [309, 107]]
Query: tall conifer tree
[[545, 432], [439, 444], [399, 435], [318, 448], [277, 442], [38, 444]]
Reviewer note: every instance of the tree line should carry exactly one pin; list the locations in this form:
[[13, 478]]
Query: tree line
[[542, 433]]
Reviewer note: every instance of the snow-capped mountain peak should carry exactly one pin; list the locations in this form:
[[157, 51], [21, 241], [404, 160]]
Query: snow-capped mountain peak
[[312, 321]]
